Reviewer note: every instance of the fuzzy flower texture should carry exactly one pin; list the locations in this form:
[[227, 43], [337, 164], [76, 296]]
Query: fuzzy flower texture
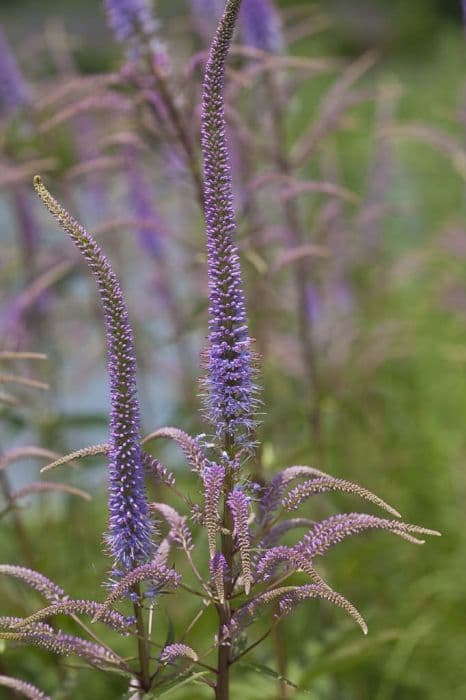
[[129, 536], [230, 400]]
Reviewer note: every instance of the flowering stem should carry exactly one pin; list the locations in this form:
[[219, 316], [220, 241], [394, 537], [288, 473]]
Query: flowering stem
[[222, 689]]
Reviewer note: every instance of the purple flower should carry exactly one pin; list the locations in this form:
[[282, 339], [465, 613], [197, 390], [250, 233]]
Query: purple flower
[[23, 688], [261, 25], [329, 532], [129, 536], [172, 652], [14, 93], [230, 401]]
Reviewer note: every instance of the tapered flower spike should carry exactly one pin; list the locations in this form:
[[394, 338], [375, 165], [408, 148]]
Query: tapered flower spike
[[84, 607], [329, 532], [129, 536], [218, 571], [26, 689], [213, 477], [238, 504], [302, 492], [230, 399], [261, 26], [176, 651], [63, 644]]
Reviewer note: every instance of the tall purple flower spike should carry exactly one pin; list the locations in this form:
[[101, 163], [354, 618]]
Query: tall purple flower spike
[[230, 399], [14, 93], [129, 536], [261, 25]]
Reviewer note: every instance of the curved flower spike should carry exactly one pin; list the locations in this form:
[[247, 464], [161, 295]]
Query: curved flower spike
[[157, 573], [65, 645], [129, 535], [300, 493], [290, 600], [85, 607], [172, 652], [326, 533], [230, 400], [27, 689], [40, 583], [91, 451]]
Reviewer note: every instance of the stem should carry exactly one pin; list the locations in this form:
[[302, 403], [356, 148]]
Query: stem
[[222, 688], [143, 646]]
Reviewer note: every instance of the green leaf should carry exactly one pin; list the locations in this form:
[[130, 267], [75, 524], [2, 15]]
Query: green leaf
[[270, 673], [180, 682]]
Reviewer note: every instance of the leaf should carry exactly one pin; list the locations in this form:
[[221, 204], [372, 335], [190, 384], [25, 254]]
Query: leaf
[[179, 683], [270, 673]]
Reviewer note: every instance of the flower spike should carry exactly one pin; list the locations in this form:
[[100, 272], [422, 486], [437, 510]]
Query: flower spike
[[230, 400], [129, 536], [238, 503], [26, 689]]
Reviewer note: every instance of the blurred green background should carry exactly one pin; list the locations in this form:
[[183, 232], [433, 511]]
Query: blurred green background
[[403, 439]]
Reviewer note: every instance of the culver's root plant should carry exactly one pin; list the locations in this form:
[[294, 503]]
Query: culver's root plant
[[237, 526]]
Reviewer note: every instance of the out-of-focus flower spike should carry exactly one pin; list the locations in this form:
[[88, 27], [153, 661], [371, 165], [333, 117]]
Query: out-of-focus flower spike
[[176, 651], [230, 399], [34, 487], [218, 571], [50, 590], [130, 531], [155, 572], [25, 452], [206, 15], [303, 491], [26, 689], [134, 25], [14, 93], [273, 535], [179, 531], [238, 504], [213, 477], [261, 26]]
